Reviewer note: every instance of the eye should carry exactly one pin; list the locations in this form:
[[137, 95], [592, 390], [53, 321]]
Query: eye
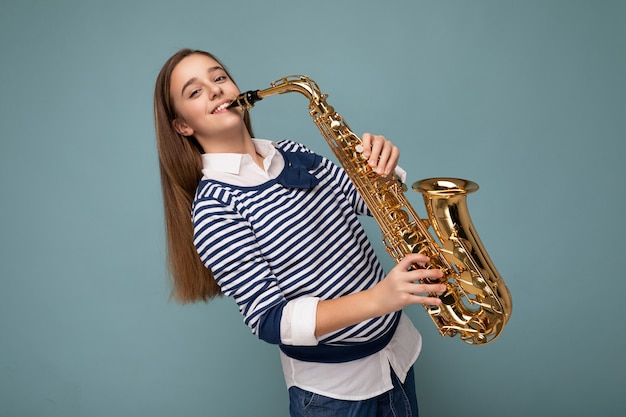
[[220, 78], [194, 93]]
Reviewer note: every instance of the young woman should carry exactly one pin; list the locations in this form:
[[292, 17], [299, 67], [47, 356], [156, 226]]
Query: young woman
[[274, 226]]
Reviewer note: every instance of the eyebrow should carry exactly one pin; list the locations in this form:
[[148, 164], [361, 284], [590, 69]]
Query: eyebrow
[[194, 79]]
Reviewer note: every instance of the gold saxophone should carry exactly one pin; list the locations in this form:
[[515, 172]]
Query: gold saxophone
[[477, 303]]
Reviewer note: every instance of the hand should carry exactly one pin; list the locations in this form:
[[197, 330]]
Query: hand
[[382, 155], [402, 287], [396, 291]]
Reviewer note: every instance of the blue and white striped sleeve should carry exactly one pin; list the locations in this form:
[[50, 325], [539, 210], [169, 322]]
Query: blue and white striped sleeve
[[226, 245], [347, 188]]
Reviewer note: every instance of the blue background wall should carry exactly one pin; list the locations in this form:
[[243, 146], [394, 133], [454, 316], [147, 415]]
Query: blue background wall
[[527, 98]]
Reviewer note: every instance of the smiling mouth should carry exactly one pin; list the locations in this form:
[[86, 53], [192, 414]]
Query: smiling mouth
[[221, 107]]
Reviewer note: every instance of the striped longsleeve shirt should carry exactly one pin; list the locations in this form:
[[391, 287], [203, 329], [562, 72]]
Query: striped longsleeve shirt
[[275, 249]]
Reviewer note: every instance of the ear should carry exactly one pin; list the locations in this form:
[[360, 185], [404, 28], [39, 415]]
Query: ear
[[181, 127]]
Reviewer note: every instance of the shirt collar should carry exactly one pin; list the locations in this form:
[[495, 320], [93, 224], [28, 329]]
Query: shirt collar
[[239, 164]]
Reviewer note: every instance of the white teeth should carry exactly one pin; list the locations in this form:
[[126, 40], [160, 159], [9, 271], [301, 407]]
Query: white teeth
[[221, 107]]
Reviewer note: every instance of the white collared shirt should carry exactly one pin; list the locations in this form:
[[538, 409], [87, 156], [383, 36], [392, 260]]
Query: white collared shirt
[[355, 380]]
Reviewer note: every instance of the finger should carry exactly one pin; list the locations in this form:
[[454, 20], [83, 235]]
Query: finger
[[392, 161], [384, 150], [388, 159], [438, 289], [427, 276], [425, 300], [427, 290], [411, 260], [376, 144], [366, 142]]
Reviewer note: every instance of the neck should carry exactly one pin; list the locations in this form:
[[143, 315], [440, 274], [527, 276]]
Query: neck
[[236, 143], [239, 141]]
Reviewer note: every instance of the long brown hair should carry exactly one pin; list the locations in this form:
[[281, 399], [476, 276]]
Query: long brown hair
[[180, 164]]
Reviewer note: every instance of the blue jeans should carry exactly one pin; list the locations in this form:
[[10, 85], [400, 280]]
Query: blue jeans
[[400, 401]]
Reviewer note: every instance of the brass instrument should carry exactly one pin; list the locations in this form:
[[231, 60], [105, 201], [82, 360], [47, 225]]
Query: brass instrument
[[477, 303]]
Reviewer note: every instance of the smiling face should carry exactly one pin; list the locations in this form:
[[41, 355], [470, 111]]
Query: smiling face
[[201, 90]]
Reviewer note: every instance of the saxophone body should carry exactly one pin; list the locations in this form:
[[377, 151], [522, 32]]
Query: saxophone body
[[477, 304]]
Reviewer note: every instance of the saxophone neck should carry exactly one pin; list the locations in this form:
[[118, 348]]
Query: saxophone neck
[[293, 83]]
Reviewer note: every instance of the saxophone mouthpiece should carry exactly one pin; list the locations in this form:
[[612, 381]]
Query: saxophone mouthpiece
[[246, 100]]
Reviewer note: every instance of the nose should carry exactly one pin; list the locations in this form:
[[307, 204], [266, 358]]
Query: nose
[[215, 90]]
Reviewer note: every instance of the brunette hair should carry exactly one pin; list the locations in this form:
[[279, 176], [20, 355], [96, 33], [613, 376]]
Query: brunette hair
[[180, 164]]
